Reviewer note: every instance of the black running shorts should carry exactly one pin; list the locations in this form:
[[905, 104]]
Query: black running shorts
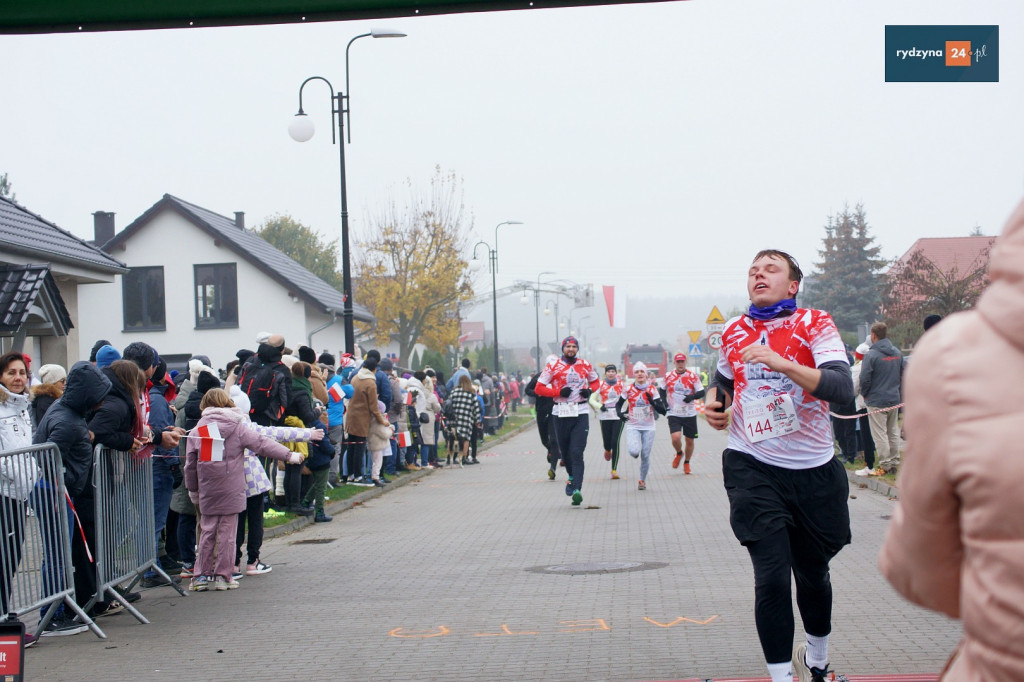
[[810, 503], [688, 425]]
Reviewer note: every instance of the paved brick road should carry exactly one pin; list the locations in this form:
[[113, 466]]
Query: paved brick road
[[431, 581]]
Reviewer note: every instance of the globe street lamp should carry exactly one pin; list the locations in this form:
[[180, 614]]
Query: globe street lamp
[[301, 129], [475, 265]]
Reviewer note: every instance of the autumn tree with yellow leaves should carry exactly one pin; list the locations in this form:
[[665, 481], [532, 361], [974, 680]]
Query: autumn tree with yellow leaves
[[410, 268]]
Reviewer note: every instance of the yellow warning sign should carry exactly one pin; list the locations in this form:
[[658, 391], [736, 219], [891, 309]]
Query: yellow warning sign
[[694, 336], [716, 316]]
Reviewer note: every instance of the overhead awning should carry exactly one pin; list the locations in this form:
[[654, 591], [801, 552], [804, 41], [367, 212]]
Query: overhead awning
[[31, 304], [64, 16]]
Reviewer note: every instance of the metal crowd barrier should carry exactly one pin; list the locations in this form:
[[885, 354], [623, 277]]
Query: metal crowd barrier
[[125, 527], [36, 536]]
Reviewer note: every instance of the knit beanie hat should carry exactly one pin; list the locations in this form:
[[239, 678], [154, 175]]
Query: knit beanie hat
[[51, 374], [106, 355], [326, 359], [307, 354], [206, 381], [570, 339]]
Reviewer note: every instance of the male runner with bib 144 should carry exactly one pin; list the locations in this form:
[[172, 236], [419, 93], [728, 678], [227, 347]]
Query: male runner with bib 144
[[779, 367], [682, 387], [570, 381]]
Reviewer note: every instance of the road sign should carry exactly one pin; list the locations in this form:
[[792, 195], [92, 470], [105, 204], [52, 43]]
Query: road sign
[[695, 336], [694, 351], [716, 316], [715, 340]]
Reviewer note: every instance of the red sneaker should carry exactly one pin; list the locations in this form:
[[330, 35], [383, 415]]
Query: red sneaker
[[675, 462], [607, 455], [686, 467]]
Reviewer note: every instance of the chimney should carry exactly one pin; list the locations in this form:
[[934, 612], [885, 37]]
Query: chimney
[[240, 220], [103, 227]]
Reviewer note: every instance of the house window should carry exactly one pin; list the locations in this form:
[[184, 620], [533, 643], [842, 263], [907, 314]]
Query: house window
[[216, 296], [142, 295]]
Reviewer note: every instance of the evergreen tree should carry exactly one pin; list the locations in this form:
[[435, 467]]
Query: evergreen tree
[[847, 281]]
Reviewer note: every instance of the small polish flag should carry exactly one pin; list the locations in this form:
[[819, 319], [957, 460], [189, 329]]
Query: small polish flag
[[211, 445], [337, 395], [404, 439]]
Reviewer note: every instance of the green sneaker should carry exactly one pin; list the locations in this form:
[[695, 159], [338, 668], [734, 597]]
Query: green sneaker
[[551, 474], [577, 497]]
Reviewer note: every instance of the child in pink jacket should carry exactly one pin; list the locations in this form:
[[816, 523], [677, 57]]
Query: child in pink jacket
[[215, 479]]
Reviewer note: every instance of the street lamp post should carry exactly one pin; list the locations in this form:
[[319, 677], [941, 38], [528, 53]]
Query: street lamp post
[[301, 129], [547, 311], [494, 281], [536, 303]]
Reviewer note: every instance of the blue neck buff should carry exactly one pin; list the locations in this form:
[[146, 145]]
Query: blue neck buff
[[786, 306], [611, 382], [569, 361]]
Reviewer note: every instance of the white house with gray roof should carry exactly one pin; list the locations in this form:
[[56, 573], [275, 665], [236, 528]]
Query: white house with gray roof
[[43, 271], [199, 282]]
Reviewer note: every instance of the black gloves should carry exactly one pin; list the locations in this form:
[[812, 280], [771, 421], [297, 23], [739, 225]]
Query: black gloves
[[585, 393], [689, 398], [604, 408], [565, 392], [176, 474]]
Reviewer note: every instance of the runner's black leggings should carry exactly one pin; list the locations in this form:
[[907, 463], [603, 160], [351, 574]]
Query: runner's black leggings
[[572, 441], [775, 557], [611, 429]]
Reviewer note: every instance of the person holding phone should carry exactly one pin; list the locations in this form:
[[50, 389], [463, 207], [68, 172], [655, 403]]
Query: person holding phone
[[779, 367]]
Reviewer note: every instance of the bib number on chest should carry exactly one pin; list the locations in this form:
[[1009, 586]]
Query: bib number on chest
[[567, 409], [770, 417], [643, 413]]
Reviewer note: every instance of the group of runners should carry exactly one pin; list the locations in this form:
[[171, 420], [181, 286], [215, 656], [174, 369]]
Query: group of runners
[[779, 367]]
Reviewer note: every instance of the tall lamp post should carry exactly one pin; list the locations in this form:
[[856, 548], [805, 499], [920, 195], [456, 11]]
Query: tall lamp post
[[301, 129], [547, 311], [475, 265], [536, 303]]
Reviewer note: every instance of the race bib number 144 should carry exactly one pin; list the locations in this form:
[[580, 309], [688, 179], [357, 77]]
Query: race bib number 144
[[770, 417]]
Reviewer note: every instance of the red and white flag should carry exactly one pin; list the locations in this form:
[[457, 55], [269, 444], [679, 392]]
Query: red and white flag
[[410, 398], [337, 395], [404, 439], [615, 299], [211, 445]]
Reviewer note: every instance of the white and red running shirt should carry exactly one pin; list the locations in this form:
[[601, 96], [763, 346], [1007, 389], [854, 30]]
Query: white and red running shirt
[[559, 374], [773, 419], [640, 402], [678, 385], [609, 398]]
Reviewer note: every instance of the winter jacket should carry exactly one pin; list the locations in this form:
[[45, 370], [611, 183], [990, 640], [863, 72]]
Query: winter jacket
[[114, 423], [362, 407], [221, 485], [300, 404], [160, 416], [301, 447], [426, 403], [881, 376], [18, 473], [466, 412], [335, 408], [65, 425], [383, 387], [380, 437], [956, 540], [43, 395]]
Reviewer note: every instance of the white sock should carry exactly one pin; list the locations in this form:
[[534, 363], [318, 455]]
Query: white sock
[[817, 651], [781, 672]]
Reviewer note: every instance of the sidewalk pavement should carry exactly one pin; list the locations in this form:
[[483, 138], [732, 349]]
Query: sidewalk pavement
[[488, 573]]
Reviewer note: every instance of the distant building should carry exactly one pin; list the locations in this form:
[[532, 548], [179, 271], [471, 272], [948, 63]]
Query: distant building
[[44, 270], [199, 282]]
